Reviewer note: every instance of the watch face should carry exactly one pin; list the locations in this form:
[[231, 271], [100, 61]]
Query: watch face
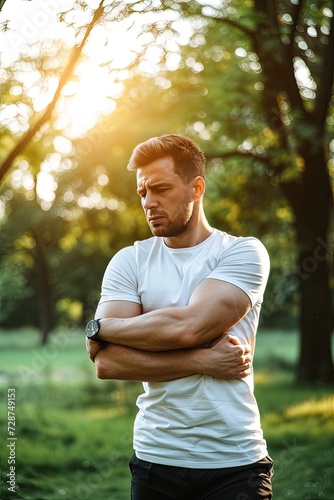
[[92, 328]]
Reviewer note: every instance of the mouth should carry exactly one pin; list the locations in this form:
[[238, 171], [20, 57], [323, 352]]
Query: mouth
[[155, 219]]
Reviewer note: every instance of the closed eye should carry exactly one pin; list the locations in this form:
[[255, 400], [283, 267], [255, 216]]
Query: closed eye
[[142, 192]]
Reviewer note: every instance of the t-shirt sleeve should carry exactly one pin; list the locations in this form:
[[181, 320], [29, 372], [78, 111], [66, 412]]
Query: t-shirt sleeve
[[120, 279], [245, 264]]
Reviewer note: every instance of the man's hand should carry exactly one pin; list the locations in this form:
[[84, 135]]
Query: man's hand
[[226, 359], [92, 348]]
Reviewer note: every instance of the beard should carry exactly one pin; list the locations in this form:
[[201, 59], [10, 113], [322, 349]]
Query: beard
[[174, 224]]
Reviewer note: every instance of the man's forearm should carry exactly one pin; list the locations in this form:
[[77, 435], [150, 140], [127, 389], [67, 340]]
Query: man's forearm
[[159, 330], [125, 363], [227, 359]]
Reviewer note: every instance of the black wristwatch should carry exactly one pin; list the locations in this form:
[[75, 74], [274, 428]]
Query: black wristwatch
[[92, 331]]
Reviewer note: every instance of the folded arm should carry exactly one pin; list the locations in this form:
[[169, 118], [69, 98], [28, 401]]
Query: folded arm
[[225, 359], [214, 307]]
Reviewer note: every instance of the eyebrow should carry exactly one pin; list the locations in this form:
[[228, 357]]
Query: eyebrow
[[153, 186]]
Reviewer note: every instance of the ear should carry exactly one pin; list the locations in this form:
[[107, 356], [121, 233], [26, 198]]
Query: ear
[[198, 188]]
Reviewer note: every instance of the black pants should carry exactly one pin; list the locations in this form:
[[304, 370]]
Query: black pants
[[161, 482]]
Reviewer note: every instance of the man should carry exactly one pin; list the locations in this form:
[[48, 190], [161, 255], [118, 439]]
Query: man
[[166, 305]]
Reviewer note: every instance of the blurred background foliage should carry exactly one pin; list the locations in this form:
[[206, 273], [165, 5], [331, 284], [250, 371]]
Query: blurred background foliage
[[221, 74]]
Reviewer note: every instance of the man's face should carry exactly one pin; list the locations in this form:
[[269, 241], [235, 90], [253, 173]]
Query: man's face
[[166, 200]]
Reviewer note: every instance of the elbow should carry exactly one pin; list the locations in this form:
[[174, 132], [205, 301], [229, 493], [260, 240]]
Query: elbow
[[186, 341], [101, 375], [188, 336], [190, 340], [194, 334], [106, 368], [100, 368]]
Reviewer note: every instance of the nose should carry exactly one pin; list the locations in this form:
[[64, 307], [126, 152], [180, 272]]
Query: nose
[[149, 201]]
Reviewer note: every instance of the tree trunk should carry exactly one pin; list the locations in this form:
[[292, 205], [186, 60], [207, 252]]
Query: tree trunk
[[43, 290], [315, 362], [309, 195], [312, 212]]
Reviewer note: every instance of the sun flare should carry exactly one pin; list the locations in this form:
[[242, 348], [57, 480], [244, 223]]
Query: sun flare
[[98, 82], [91, 96]]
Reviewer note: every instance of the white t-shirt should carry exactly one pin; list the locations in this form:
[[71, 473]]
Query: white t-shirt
[[196, 421]]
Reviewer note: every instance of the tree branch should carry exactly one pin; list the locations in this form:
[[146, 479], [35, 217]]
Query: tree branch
[[236, 152], [76, 53], [291, 189], [225, 20]]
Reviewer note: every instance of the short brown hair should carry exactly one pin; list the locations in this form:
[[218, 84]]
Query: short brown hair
[[189, 160]]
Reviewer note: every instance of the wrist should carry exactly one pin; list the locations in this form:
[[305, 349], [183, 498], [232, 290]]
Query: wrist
[[198, 360], [114, 330]]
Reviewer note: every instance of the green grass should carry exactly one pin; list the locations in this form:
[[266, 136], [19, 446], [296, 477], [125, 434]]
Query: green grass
[[75, 432]]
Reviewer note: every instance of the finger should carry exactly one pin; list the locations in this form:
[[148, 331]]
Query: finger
[[247, 358], [233, 339], [247, 348], [246, 371], [244, 362]]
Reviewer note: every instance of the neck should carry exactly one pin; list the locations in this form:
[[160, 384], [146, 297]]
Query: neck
[[197, 231]]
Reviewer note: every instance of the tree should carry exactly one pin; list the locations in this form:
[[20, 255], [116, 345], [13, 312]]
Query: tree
[[119, 10], [75, 55], [290, 38], [304, 135], [24, 151]]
